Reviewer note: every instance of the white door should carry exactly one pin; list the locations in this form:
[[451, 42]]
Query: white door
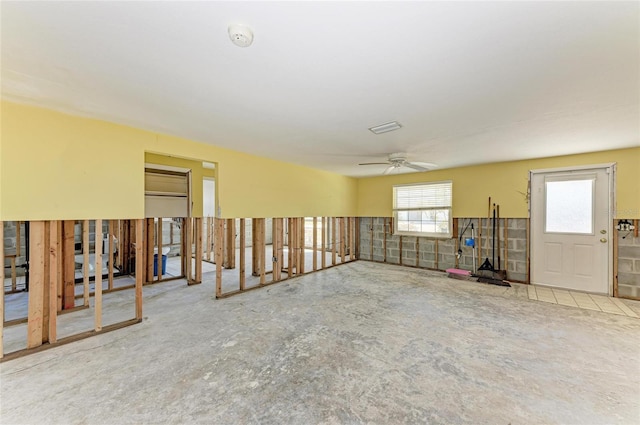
[[570, 228]]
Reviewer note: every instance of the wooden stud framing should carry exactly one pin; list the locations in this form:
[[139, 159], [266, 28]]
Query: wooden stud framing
[[315, 243], [333, 241], [18, 237], [436, 242], [139, 265], [289, 247], [2, 292], [160, 245], [97, 297], [242, 254], [188, 251], [353, 230], [635, 231], [323, 244], [36, 285], [615, 260], [68, 294], [341, 238], [219, 252], [148, 249], [277, 241], [207, 249], [230, 245], [125, 235], [261, 249], [506, 245], [85, 261], [45, 282], [417, 251], [528, 251], [384, 241], [198, 260], [54, 269], [110, 255], [301, 256]]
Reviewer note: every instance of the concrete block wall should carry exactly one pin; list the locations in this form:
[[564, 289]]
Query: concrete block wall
[[628, 265], [421, 251]]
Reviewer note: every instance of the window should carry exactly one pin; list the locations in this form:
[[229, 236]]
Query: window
[[423, 209]]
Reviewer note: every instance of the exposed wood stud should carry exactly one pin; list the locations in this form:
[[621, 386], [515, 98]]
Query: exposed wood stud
[[261, 247], [333, 241], [2, 292], [36, 284], [198, 259], [353, 229], [139, 244], [315, 243], [219, 252], [68, 294], [54, 267], [289, 247], [110, 254], [341, 238], [323, 244], [207, 246], [528, 251], [615, 260], [160, 245], [85, 261], [254, 248], [384, 241], [635, 231], [506, 245], [188, 254], [97, 297], [46, 275], [230, 245], [417, 251], [436, 242], [242, 254], [278, 260], [301, 256], [18, 239], [148, 248]]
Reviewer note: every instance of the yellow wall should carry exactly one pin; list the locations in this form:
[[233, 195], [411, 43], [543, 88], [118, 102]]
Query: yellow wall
[[58, 166], [503, 182]]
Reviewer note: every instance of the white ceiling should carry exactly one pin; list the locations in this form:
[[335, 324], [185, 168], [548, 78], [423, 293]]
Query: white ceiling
[[470, 82]]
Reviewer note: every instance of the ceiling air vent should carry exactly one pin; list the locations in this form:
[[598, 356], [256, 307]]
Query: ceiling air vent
[[384, 128]]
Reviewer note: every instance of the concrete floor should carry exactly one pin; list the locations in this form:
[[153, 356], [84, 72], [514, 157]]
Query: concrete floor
[[359, 343]]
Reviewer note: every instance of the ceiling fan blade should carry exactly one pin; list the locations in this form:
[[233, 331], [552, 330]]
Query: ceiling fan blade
[[415, 167], [389, 169], [374, 163]]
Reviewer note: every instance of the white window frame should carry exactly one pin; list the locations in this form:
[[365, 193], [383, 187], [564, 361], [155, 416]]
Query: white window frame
[[443, 206]]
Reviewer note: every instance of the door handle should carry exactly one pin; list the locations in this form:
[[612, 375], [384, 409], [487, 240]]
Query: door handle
[[603, 240], [603, 231]]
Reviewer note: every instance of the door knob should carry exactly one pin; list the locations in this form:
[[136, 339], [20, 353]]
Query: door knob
[[603, 240], [603, 231]]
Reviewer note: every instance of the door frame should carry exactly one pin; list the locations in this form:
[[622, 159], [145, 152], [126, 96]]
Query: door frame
[[610, 168]]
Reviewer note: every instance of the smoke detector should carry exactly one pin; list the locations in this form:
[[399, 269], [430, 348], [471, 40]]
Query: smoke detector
[[240, 35]]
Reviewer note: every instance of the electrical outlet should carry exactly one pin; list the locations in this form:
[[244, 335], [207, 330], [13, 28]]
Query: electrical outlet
[[625, 226]]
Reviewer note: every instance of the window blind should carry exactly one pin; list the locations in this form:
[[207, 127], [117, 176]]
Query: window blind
[[422, 196]]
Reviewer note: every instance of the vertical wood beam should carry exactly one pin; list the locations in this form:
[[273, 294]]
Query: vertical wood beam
[[110, 254], [97, 291], [85, 261], [68, 295], [207, 250], [255, 270], [45, 282], [261, 248], [289, 247], [301, 252], [160, 244], [148, 249], [341, 239], [315, 243], [333, 241], [198, 260], [506, 245], [323, 244], [230, 245], [139, 251], [242, 254], [277, 228], [18, 237], [353, 230], [615, 260], [2, 291], [125, 255], [54, 276], [36, 284], [188, 248], [219, 251]]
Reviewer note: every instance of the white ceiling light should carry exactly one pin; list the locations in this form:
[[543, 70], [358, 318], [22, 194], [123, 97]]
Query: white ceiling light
[[384, 128], [240, 35]]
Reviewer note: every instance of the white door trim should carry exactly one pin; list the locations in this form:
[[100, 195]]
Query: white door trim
[[611, 172]]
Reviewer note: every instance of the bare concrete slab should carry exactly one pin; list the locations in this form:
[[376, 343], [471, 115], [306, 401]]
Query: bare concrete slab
[[358, 343]]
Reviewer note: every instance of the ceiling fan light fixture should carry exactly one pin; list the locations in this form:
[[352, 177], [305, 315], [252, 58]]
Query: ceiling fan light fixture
[[385, 128]]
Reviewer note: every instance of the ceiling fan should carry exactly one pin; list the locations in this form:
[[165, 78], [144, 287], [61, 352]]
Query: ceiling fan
[[399, 160]]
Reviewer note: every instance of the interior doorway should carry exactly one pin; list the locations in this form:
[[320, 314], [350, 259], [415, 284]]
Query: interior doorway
[[571, 223]]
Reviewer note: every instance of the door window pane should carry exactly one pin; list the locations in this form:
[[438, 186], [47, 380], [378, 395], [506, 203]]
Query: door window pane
[[569, 206]]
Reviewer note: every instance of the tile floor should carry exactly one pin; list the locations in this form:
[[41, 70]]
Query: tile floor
[[582, 300]]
